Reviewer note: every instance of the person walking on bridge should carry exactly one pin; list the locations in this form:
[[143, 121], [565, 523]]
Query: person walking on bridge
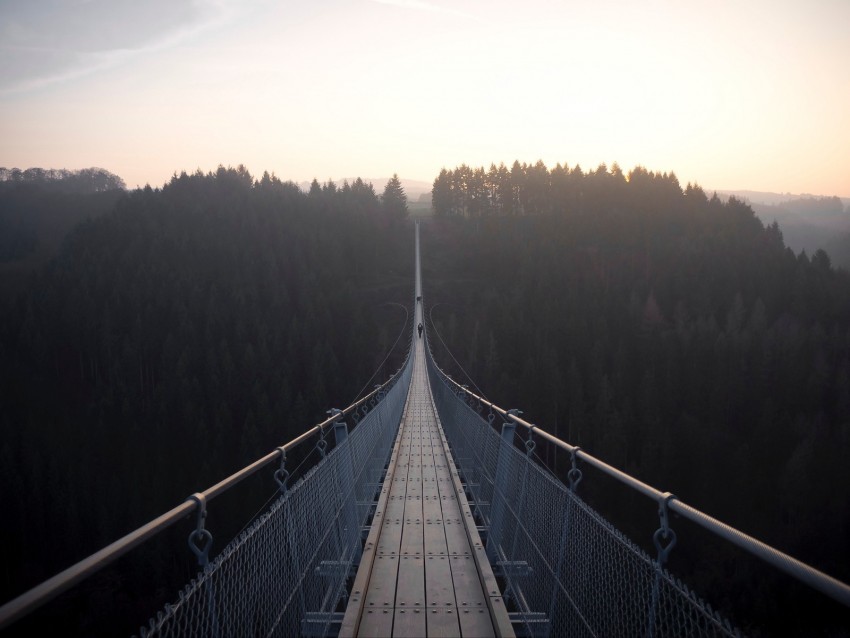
[[420, 330]]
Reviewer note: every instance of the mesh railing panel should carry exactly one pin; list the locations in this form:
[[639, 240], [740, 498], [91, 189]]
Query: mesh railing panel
[[567, 571], [286, 574]]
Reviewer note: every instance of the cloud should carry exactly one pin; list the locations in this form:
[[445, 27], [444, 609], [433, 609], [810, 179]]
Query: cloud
[[421, 5], [45, 43]]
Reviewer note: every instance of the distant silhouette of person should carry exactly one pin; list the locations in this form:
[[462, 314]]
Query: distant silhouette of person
[[420, 330]]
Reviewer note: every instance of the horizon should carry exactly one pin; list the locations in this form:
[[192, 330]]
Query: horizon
[[747, 98], [421, 186]]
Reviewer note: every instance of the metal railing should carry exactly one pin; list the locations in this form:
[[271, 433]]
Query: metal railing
[[521, 532], [196, 503], [807, 574], [566, 570]]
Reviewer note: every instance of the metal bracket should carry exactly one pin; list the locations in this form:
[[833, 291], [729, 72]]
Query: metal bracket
[[281, 475], [200, 539], [318, 623], [533, 624], [574, 475], [529, 443], [664, 532]]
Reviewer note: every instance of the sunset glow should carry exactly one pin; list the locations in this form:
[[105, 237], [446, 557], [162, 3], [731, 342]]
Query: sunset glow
[[731, 95]]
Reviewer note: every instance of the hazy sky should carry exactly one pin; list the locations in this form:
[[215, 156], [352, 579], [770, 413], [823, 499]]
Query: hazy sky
[[744, 94]]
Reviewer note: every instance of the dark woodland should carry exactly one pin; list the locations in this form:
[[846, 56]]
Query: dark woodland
[[153, 341], [170, 342], [674, 336]]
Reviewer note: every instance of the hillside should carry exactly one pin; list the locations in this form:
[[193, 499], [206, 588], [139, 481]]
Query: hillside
[[673, 335], [173, 340], [39, 207], [184, 331], [808, 223]]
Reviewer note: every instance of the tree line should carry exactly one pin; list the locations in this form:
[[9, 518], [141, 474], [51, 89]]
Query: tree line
[[533, 189], [85, 180]]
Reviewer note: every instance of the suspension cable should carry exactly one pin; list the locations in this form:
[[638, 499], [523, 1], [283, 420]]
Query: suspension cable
[[276, 493], [439, 336], [392, 348]]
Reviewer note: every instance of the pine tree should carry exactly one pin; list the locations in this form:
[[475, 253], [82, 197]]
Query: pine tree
[[441, 194], [394, 199]]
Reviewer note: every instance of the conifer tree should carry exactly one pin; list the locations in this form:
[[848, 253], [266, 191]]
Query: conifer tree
[[394, 199]]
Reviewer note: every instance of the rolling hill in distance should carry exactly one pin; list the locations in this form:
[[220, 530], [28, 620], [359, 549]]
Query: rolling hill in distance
[[809, 223]]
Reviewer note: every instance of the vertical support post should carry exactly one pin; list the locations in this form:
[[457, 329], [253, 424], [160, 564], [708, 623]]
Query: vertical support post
[[340, 432], [500, 486]]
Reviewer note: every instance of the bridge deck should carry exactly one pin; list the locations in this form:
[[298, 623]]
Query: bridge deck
[[421, 572], [424, 570]]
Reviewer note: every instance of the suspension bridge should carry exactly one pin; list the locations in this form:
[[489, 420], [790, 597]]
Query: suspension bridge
[[428, 514]]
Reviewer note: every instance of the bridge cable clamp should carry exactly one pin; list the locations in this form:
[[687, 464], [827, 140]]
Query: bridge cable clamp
[[200, 539], [529, 442], [339, 418], [510, 413], [281, 475], [664, 532], [574, 475]]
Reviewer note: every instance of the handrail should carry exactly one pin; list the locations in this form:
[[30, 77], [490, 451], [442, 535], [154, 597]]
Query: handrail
[[807, 574], [52, 587]]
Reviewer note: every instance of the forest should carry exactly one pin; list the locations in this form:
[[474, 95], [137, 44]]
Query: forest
[[171, 341], [810, 223], [40, 207], [156, 340], [672, 335]]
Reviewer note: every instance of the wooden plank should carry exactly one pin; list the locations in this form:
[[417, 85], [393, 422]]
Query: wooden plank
[[394, 509], [439, 589], [410, 587], [412, 542], [410, 623], [389, 542], [456, 539], [476, 623], [467, 583], [376, 622], [382, 584], [435, 537], [430, 495], [443, 623]]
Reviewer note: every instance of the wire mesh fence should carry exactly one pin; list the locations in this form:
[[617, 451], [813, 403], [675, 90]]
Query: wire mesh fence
[[566, 570], [286, 574]]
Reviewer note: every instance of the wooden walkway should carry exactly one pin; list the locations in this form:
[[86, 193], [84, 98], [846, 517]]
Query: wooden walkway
[[424, 571]]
